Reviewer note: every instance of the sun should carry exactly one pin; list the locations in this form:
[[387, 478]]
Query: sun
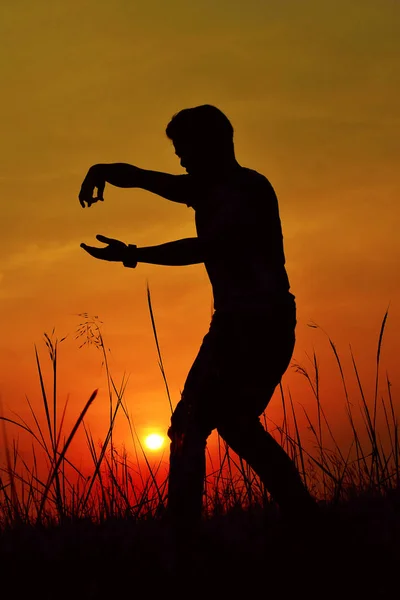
[[154, 441]]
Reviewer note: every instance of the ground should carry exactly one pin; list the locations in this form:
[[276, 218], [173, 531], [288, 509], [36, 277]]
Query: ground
[[353, 552]]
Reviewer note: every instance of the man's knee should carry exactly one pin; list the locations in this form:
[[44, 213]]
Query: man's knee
[[176, 431], [186, 433], [179, 420]]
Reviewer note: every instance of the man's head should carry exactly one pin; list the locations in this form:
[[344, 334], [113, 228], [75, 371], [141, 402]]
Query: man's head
[[203, 139]]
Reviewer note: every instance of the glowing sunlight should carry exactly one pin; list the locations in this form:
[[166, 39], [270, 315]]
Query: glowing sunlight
[[154, 441]]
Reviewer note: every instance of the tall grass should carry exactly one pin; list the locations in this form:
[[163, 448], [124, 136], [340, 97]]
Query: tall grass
[[120, 486]]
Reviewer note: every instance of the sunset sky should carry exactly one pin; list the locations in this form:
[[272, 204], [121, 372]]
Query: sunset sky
[[312, 90]]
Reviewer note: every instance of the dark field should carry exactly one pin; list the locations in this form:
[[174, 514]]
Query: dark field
[[353, 553]]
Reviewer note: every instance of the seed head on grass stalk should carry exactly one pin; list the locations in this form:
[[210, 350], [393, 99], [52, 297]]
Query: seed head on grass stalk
[[91, 330], [52, 346]]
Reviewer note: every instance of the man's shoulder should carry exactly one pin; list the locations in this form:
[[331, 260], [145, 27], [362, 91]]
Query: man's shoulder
[[255, 177], [244, 185], [256, 190]]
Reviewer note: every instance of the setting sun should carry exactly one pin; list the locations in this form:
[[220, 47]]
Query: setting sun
[[154, 441]]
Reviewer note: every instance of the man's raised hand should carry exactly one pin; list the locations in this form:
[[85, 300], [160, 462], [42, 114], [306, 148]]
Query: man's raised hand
[[94, 179]]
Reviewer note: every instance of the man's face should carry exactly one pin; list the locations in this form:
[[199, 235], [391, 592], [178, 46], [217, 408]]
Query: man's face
[[192, 157]]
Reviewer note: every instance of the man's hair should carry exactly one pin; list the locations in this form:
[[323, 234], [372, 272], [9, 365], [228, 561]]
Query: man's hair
[[205, 123]]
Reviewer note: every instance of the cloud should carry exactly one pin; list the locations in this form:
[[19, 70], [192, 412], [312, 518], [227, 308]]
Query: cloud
[[39, 255]]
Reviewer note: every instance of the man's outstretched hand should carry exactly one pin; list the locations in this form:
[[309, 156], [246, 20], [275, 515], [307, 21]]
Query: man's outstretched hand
[[115, 251], [94, 179]]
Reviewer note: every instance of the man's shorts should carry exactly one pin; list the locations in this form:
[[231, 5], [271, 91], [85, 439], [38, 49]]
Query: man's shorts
[[240, 362]]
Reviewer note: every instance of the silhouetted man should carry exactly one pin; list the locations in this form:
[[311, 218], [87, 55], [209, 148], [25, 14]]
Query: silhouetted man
[[252, 333]]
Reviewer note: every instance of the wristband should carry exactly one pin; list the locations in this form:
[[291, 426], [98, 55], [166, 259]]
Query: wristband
[[130, 260]]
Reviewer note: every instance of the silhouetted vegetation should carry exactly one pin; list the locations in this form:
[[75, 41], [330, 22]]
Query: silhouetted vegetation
[[71, 534]]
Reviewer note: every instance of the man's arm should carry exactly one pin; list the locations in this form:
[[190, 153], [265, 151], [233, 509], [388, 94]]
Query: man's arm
[[177, 188], [187, 251]]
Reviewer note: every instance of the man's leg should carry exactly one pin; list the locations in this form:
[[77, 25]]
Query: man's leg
[[256, 353], [191, 424], [187, 468], [248, 438]]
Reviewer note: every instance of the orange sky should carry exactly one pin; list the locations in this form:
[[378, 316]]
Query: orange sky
[[312, 90]]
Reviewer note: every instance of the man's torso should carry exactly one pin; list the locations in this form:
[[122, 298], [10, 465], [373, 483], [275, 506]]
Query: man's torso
[[238, 219]]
